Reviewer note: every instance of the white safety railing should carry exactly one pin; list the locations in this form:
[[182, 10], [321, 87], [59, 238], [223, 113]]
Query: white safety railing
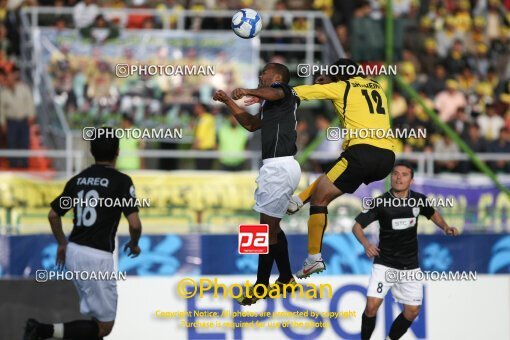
[[77, 159]]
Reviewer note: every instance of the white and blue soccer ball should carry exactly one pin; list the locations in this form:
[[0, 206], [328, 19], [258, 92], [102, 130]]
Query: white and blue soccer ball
[[246, 23]]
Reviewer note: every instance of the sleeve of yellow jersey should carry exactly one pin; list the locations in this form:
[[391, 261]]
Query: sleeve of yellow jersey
[[333, 91]]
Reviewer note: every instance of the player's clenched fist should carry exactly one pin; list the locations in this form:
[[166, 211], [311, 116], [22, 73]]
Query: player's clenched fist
[[238, 93], [251, 101], [451, 231], [220, 96]]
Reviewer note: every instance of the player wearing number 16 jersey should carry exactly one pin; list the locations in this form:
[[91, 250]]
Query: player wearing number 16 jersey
[[98, 196], [361, 107]]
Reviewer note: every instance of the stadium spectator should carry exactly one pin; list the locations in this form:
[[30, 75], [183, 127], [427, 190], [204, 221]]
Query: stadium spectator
[[331, 146], [205, 135], [232, 138], [500, 51], [84, 13], [343, 12], [17, 112], [480, 60], [398, 105], [445, 149], [501, 145], [409, 67], [456, 61], [448, 101], [278, 23], [429, 57], [128, 145], [60, 24], [403, 8], [366, 37], [218, 23], [436, 82], [459, 121], [477, 143], [325, 6], [5, 44], [462, 16], [493, 78], [410, 121], [482, 97], [420, 111], [467, 80], [477, 35], [494, 20], [490, 123], [450, 41], [445, 38], [100, 31], [303, 134], [137, 19], [168, 5]]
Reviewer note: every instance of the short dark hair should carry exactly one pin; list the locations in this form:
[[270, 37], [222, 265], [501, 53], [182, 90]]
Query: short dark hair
[[281, 70], [105, 147], [344, 63], [405, 164], [128, 118]]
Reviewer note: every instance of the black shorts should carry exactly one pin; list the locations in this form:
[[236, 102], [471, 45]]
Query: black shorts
[[360, 163]]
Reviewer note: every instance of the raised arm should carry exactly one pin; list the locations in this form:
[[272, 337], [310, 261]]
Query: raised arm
[[332, 91], [266, 93], [248, 121]]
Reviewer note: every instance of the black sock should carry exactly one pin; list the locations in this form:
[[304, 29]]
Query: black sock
[[399, 327], [45, 330], [281, 256], [265, 267], [81, 330], [367, 326]]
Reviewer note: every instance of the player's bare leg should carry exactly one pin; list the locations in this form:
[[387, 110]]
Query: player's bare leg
[[325, 192], [297, 202], [105, 328], [403, 321], [369, 317]]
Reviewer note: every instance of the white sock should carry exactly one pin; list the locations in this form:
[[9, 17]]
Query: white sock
[[58, 330], [314, 257]]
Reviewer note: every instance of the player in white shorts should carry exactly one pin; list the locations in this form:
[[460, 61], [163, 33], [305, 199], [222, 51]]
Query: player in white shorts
[[396, 256], [280, 173], [89, 249]]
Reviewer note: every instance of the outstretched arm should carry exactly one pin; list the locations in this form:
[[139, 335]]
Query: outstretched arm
[[248, 121], [441, 223], [321, 90], [266, 93]]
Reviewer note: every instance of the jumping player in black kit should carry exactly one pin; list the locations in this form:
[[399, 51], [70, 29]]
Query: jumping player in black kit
[[92, 240], [280, 173], [397, 251]]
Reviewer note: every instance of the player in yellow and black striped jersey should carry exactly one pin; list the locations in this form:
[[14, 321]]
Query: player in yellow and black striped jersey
[[361, 105]]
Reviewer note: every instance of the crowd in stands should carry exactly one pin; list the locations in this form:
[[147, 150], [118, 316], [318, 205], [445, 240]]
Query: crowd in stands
[[455, 54]]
